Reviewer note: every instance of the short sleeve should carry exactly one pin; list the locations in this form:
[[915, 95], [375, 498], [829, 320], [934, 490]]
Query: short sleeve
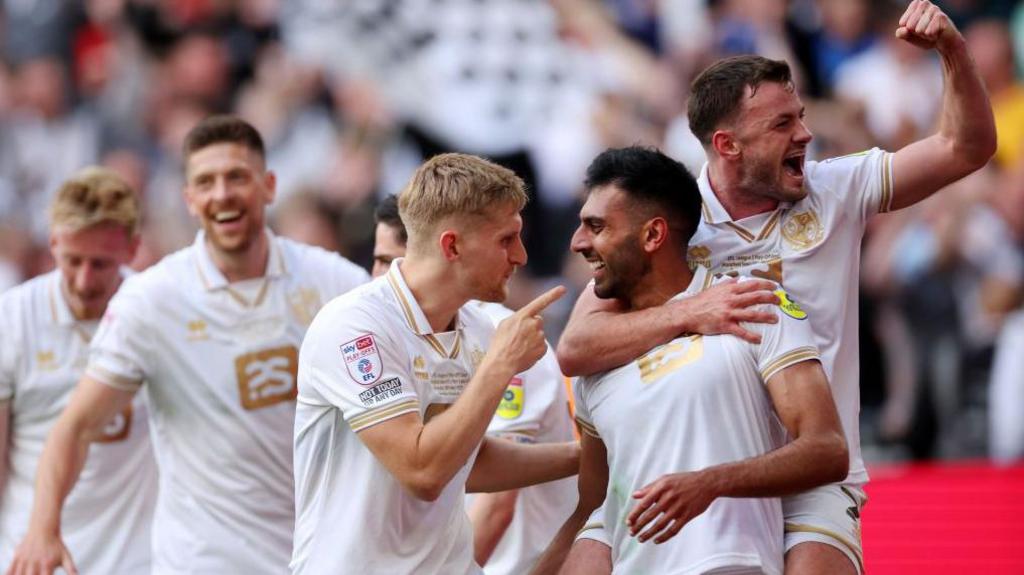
[[583, 418], [862, 182], [119, 352], [786, 342], [359, 367], [527, 399]]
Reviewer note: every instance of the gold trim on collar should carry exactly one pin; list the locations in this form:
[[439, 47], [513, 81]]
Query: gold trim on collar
[[770, 225], [241, 299], [741, 231], [411, 318]]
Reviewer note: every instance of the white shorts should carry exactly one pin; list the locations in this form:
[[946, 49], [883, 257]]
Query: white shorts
[[829, 514]]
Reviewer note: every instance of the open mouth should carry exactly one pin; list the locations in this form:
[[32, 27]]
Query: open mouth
[[596, 265], [227, 216], [794, 165]]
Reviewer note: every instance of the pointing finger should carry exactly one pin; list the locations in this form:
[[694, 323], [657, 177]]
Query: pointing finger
[[542, 301]]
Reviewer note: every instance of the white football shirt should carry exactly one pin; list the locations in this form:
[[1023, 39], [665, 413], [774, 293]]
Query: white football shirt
[[371, 355], [107, 516], [535, 409], [695, 402], [811, 248], [219, 364]]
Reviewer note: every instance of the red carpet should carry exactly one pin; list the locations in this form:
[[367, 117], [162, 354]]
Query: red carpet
[[945, 518]]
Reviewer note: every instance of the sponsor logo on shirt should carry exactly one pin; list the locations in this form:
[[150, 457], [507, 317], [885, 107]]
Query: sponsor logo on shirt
[[197, 330], [512, 401], [381, 392], [267, 377], [362, 361], [699, 256], [46, 361], [788, 306]]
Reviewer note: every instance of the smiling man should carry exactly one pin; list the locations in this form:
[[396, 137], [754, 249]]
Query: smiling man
[[691, 428], [212, 332], [770, 213], [398, 381]]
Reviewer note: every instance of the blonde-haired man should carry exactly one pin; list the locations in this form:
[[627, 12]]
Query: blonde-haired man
[[45, 328], [399, 379], [212, 331]]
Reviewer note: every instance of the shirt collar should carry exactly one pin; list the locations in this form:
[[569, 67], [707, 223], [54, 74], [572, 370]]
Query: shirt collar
[[712, 210], [414, 315], [212, 278]]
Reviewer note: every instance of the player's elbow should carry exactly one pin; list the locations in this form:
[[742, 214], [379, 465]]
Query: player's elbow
[[570, 356], [425, 485], [835, 458]]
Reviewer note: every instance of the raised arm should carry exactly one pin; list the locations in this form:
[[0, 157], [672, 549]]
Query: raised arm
[[966, 138], [816, 455], [601, 335], [424, 456], [91, 408], [592, 486]]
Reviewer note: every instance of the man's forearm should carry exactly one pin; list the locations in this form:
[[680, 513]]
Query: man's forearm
[[503, 465], [600, 340], [61, 463], [490, 514], [804, 463], [449, 439], [554, 556], [966, 117]]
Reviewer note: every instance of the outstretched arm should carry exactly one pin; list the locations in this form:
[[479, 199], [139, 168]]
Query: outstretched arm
[[502, 465], [90, 409], [602, 335], [966, 138], [817, 455]]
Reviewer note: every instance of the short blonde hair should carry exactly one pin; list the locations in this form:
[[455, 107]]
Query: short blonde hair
[[93, 196], [457, 184]]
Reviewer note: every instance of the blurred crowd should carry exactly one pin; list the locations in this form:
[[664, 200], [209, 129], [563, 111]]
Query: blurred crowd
[[351, 95]]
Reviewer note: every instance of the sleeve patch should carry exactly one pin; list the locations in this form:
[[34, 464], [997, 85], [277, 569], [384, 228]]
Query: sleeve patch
[[362, 360], [512, 401], [789, 306], [381, 392]]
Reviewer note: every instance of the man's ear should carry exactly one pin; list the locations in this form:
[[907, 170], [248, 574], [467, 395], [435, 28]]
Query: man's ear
[[449, 242], [654, 234], [725, 144]]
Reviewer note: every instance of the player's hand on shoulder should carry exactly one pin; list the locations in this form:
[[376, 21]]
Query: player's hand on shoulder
[[519, 338], [41, 555], [721, 308], [926, 26]]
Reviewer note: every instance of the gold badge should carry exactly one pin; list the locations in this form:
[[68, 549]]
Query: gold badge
[[699, 256], [802, 230], [419, 368], [46, 361], [304, 303], [267, 377], [788, 306], [511, 405], [197, 330]]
